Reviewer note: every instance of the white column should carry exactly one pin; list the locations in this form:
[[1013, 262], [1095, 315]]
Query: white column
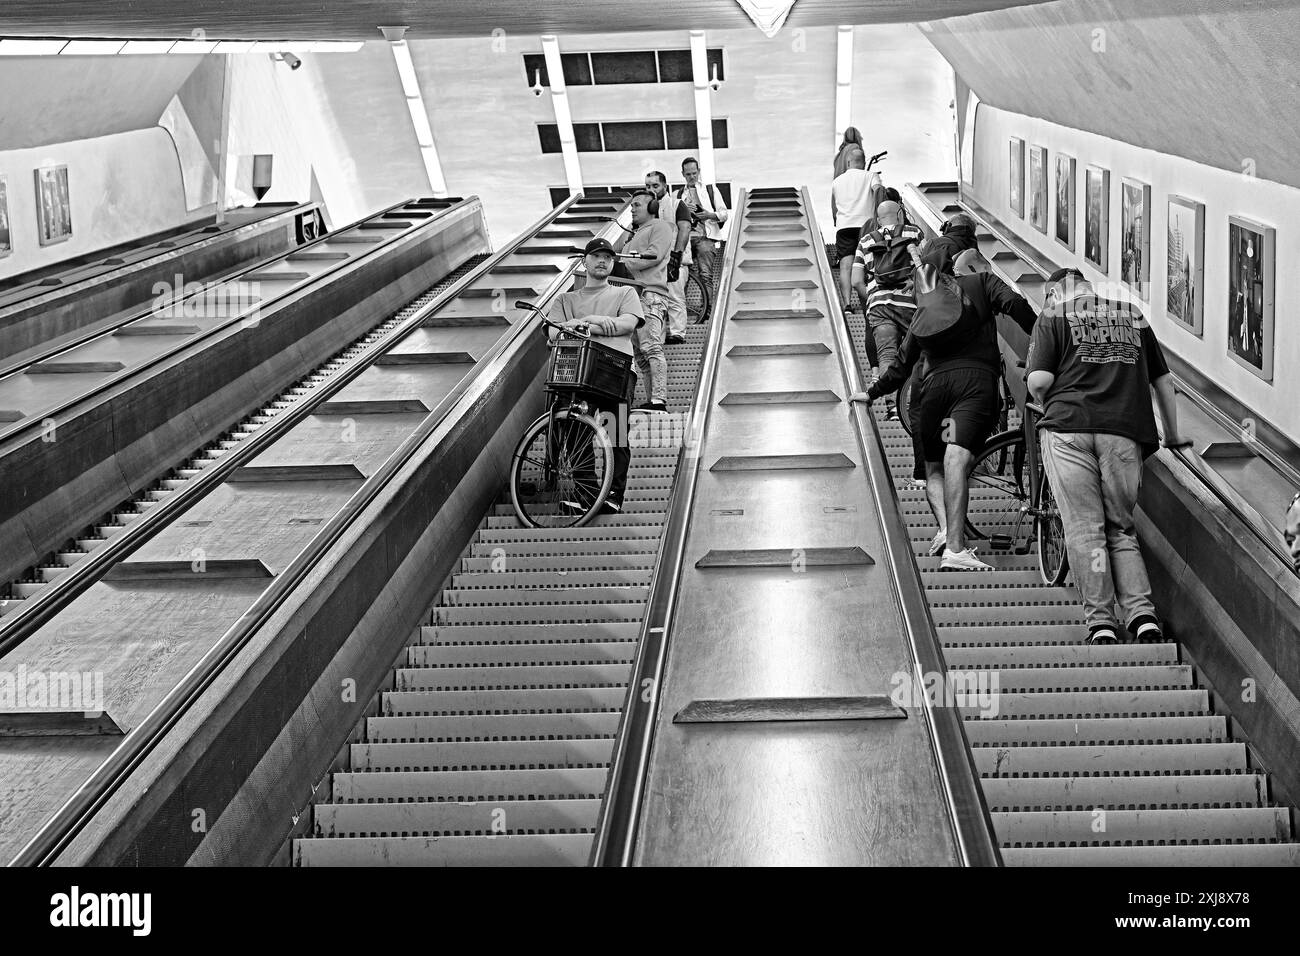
[[563, 118], [415, 106], [843, 83], [703, 107]]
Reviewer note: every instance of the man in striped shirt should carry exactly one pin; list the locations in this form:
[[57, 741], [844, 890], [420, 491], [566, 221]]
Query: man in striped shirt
[[883, 258]]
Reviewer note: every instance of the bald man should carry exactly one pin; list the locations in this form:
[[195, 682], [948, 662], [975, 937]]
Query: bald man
[[884, 258], [1291, 531]]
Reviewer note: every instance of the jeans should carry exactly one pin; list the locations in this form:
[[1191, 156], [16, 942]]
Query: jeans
[[702, 248], [648, 347], [1095, 478], [677, 304], [888, 324]]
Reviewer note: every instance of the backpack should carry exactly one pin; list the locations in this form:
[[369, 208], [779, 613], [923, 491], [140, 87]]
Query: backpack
[[940, 301]]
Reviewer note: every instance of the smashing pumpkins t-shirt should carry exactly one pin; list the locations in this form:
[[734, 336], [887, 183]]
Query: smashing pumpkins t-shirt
[[1105, 357]]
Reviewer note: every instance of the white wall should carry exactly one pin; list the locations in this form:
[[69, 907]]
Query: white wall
[[121, 187], [1223, 193]]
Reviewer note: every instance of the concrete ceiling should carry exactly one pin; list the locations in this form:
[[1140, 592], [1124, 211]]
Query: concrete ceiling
[[359, 19]]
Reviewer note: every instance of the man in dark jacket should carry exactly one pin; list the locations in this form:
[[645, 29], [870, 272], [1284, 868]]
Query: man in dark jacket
[[958, 235], [959, 406]]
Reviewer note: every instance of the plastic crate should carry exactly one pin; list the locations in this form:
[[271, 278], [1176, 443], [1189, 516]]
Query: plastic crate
[[589, 368]]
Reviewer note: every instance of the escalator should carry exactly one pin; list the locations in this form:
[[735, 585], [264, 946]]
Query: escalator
[[493, 745]]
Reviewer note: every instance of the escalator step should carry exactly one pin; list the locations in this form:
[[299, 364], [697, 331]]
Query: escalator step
[[1262, 824], [483, 755], [1098, 730], [1112, 703], [521, 850], [509, 677], [437, 785], [495, 818], [996, 761], [490, 726], [465, 702], [1171, 790], [1195, 855]]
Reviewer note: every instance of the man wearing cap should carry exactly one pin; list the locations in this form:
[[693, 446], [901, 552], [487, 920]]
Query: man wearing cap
[[955, 328], [956, 236], [652, 241], [611, 313]]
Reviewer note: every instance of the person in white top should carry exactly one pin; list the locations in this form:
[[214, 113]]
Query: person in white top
[[853, 202], [673, 211], [708, 216]]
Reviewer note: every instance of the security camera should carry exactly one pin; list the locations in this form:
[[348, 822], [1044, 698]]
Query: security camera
[[288, 59]]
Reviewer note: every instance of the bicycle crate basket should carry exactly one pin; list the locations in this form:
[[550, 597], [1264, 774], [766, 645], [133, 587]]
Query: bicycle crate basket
[[589, 368]]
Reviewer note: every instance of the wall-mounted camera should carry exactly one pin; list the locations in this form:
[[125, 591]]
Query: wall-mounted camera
[[288, 59]]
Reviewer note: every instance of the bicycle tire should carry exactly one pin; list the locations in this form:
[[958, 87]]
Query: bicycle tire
[[903, 402], [999, 498], [537, 492], [1053, 558], [698, 300]]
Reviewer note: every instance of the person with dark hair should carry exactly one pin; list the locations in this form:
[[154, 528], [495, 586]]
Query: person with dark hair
[[1291, 530], [851, 143], [708, 215], [955, 329], [956, 236], [675, 213], [1094, 365], [652, 238]]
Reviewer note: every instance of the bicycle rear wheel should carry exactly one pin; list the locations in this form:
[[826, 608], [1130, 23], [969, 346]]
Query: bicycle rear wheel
[[698, 299], [904, 401], [1053, 560], [565, 488], [999, 495]]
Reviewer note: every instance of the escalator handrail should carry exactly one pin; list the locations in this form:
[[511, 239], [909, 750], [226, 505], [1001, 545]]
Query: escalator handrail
[[966, 808], [61, 828], [616, 829], [1191, 464]]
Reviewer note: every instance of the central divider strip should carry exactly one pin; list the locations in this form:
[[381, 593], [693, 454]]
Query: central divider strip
[[60, 829]]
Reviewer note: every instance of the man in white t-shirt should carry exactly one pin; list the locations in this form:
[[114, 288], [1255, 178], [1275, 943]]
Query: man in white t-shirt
[[708, 216], [853, 196], [674, 212]]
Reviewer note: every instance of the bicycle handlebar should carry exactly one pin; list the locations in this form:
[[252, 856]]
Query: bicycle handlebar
[[575, 251], [563, 330], [879, 156]]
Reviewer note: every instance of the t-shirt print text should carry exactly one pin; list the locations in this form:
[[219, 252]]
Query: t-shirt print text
[[1106, 335]]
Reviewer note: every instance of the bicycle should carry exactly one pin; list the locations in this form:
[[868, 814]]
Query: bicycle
[[1014, 485], [565, 455]]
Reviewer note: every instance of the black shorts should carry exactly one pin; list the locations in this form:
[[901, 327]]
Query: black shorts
[[915, 399], [958, 407], [846, 242]]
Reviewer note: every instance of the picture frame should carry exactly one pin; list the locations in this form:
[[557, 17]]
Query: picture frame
[[1096, 233], [1016, 187], [6, 230], [1185, 257], [53, 205], [1251, 248], [1038, 188], [1135, 237], [1065, 200]]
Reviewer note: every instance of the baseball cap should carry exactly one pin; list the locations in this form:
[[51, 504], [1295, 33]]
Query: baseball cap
[[598, 245]]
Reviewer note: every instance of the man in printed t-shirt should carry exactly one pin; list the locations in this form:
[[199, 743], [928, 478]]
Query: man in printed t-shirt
[[1093, 365]]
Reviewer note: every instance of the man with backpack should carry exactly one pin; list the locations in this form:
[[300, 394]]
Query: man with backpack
[[708, 215], [955, 329]]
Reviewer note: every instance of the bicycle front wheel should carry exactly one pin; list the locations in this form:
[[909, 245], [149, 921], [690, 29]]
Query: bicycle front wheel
[[904, 401], [1053, 560], [697, 298], [999, 495], [563, 486]]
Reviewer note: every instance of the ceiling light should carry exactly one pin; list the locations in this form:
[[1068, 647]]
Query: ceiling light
[[768, 15], [92, 47], [21, 46], [147, 46]]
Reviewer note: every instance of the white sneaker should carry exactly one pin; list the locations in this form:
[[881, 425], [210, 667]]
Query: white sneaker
[[939, 544], [962, 561]]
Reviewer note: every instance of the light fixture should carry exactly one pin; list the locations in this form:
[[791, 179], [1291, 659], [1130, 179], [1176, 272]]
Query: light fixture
[[145, 47], [103, 46], [768, 15], [92, 47], [288, 59], [715, 84], [537, 83], [23, 46]]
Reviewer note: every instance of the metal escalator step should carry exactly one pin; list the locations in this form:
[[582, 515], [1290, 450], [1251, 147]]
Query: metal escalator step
[[553, 849], [464, 581], [656, 500], [1163, 790], [572, 652], [1098, 730], [597, 546], [1064, 655], [488, 634], [637, 518], [1098, 703], [465, 702], [596, 531], [568, 593], [539, 613], [491, 726], [1016, 614], [986, 579], [1098, 677], [502, 755], [494, 818], [1020, 634], [636, 561], [511, 676], [1001, 561], [1110, 827], [960, 594], [1198, 855], [437, 785], [997, 761]]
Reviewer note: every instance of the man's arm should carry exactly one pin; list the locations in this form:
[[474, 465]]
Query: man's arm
[[1167, 403], [1040, 383], [629, 317], [659, 247], [1044, 358], [1009, 302]]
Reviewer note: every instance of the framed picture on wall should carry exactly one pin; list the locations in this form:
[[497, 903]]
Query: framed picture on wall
[[6, 234], [1065, 170], [53, 206], [1016, 192], [1038, 188], [1185, 252], [1096, 232], [1250, 295], [1135, 238]]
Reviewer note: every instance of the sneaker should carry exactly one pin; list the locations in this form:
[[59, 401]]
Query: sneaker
[[962, 561], [1102, 634], [674, 339], [1146, 629], [651, 407], [612, 506], [940, 543]]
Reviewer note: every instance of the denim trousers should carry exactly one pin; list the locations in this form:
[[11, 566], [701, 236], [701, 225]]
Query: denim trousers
[[1095, 478], [648, 347]]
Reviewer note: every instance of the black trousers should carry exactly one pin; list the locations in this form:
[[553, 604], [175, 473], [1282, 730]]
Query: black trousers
[[614, 416]]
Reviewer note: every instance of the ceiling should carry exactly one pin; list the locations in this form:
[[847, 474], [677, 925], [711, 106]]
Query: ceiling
[[359, 19]]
